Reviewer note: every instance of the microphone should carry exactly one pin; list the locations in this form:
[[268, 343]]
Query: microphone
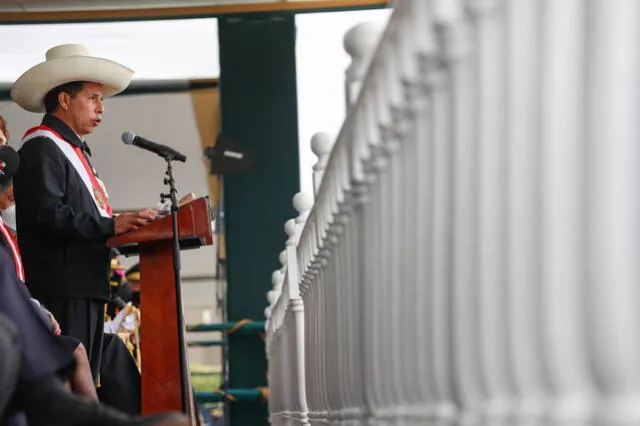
[[130, 138]]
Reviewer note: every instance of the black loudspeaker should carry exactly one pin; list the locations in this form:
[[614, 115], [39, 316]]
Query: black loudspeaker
[[227, 156]]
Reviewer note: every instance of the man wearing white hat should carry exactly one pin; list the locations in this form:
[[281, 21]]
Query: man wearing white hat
[[62, 207]]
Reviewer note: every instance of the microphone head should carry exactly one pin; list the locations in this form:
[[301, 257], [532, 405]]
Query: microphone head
[[128, 137]]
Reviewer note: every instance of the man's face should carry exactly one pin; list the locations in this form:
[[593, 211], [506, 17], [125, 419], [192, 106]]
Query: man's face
[[6, 198], [85, 109]]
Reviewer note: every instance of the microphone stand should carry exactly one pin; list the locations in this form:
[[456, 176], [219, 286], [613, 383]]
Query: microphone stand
[[172, 195]]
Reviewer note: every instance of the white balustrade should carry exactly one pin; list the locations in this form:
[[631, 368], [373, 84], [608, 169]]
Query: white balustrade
[[471, 256]]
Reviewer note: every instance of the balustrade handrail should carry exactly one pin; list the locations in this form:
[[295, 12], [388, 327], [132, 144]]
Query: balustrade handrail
[[471, 256]]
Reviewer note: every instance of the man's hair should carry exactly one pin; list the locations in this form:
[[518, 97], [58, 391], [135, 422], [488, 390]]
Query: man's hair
[[4, 186], [51, 99]]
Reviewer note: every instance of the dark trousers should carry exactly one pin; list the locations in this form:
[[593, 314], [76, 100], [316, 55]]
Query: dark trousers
[[119, 377], [84, 320]]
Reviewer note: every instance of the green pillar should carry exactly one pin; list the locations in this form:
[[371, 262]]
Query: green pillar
[[259, 111]]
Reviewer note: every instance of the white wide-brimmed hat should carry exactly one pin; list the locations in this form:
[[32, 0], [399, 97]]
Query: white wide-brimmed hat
[[64, 64]]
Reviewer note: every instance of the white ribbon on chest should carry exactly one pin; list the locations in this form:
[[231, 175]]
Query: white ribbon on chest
[[71, 155]]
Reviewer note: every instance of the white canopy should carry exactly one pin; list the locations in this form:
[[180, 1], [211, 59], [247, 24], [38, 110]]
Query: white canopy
[[156, 50], [188, 49]]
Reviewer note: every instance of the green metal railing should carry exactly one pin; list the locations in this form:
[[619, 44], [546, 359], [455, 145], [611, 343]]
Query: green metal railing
[[245, 395], [221, 395], [205, 343], [242, 326]]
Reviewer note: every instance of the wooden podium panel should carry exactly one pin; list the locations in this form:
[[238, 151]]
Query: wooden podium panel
[[194, 221], [160, 347]]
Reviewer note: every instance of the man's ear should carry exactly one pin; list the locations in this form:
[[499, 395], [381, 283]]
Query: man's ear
[[63, 100]]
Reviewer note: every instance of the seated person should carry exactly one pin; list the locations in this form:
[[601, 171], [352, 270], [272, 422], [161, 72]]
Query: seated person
[[8, 208], [116, 319], [7, 203], [133, 278], [45, 361], [120, 384]]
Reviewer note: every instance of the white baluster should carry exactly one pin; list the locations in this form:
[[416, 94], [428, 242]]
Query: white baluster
[[372, 385], [274, 383], [319, 301], [326, 306], [466, 366], [359, 358], [315, 349], [387, 322], [304, 253], [321, 146], [287, 360], [420, 150], [419, 61], [401, 86], [391, 226], [490, 25], [277, 379], [340, 258], [324, 363], [373, 305], [340, 318], [302, 203], [293, 229], [359, 43], [449, 22], [311, 351], [613, 209], [523, 219], [352, 312], [564, 322], [348, 304], [309, 290]]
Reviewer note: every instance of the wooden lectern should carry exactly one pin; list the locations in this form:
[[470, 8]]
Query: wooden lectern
[[161, 373]]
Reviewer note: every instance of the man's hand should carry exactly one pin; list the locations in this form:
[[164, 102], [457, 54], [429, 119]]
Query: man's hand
[[129, 221]]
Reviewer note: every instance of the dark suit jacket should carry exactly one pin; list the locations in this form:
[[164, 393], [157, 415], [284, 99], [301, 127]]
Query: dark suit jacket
[[60, 231]]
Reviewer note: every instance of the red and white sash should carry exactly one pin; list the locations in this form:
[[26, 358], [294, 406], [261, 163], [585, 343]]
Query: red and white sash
[[13, 245], [77, 159]]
